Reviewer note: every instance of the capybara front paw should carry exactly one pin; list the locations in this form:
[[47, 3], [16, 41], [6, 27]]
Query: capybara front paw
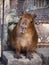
[[17, 56]]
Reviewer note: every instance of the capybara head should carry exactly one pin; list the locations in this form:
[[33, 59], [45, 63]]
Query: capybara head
[[26, 21]]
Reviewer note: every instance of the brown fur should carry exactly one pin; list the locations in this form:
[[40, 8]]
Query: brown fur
[[26, 39]]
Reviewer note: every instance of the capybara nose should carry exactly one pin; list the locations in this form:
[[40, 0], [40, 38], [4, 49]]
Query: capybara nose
[[23, 26], [23, 29]]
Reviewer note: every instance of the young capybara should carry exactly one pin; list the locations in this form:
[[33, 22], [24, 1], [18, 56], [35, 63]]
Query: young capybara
[[24, 37]]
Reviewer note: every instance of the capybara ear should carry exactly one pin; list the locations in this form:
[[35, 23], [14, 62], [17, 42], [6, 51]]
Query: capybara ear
[[34, 15], [25, 13]]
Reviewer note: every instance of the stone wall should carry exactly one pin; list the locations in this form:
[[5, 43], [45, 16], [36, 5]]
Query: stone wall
[[10, 7], [18, 5], [4, 23]]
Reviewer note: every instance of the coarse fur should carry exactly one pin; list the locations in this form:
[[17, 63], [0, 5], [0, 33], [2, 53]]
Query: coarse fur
[[24, 36]]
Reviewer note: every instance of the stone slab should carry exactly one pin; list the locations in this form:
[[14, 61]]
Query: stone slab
[[44, 51], [45, 55], [10, 60]]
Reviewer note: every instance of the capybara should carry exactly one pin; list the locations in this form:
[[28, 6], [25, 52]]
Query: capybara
[[24, 36]]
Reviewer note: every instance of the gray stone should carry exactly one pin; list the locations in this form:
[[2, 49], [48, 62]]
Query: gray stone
[[8, 57], [44, 51], [44, 55]]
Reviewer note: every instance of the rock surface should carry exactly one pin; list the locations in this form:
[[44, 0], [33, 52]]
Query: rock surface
[[45, 55], [8, 57]]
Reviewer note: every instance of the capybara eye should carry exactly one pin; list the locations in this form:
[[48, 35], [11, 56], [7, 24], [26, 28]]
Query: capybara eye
[[31, 21], [20, 18]]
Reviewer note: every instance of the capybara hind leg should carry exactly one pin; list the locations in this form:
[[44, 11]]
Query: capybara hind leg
[[17, 55]]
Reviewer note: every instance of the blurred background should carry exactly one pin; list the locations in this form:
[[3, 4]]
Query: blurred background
[[12, 10]]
